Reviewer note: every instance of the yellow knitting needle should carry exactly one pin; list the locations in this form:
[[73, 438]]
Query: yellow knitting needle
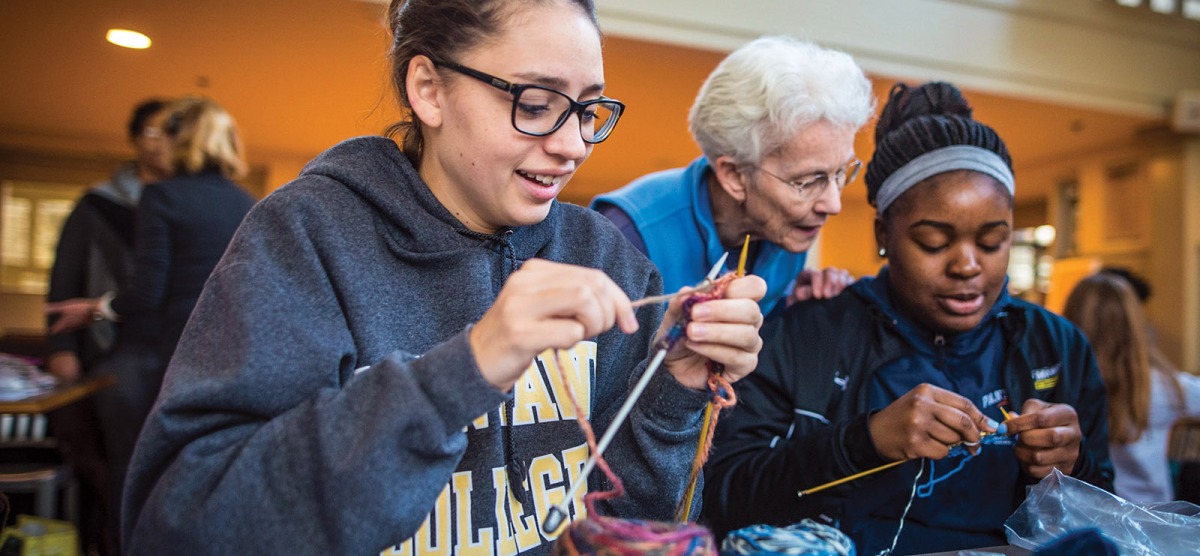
[[686, 510], [741, 271], [855, 476], [862, 474]]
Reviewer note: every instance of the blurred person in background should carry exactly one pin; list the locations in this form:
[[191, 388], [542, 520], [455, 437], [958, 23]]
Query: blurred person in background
[[1146, 393], [776, 122], [95, 255], [184, 224]]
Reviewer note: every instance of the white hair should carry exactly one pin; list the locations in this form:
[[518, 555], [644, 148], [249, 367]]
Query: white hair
[[765, 92]]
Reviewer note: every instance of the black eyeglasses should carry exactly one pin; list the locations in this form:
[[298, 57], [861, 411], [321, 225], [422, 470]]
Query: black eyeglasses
[[811, 187], [540, 111]]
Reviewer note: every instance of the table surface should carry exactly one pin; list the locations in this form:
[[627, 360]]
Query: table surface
[[59, 396], [1008, 550]]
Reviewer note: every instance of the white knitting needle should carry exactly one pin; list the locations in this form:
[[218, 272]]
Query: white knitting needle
[[556, 515]]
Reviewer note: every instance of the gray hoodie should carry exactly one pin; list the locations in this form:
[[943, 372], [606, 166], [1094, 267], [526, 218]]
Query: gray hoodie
[[324, 398]]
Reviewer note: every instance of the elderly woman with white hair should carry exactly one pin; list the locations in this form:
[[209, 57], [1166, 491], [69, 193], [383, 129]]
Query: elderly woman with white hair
[[776, 122]]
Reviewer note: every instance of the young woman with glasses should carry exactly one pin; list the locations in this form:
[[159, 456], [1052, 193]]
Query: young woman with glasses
[[382, 357], [776, 122], [923, 364]]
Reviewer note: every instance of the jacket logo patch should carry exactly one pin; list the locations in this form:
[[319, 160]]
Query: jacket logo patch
[[992, 398], [841, 380], [1046, 378]]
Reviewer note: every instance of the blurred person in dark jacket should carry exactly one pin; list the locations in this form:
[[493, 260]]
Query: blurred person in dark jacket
[[95, 255]]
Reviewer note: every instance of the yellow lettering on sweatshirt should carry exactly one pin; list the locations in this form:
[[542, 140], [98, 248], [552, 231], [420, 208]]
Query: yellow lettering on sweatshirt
[[533, 403], [518, 529], [480, 423], [506, 510], [468, 540], [540, 397], [573, 460], [433, 538]]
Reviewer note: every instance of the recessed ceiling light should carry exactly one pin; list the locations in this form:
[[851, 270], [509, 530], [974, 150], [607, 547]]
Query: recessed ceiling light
[[128, 39]]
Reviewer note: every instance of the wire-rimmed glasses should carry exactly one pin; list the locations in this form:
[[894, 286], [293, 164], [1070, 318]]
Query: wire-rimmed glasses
[[811, 186], [540, 111]]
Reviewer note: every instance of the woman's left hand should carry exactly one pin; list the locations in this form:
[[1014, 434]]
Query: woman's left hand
[[73, 314], [1049, 437], [723, 330]]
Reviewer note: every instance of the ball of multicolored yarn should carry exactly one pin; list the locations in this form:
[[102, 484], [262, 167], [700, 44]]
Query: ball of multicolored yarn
[[805, 538], [606, 536]]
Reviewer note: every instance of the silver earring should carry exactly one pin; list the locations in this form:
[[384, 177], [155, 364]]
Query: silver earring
[[882, 252]]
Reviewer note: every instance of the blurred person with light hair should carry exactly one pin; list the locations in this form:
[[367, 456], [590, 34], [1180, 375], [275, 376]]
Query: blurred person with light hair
[[178, 244], [776, 122], [1146, 393], [184, 224]]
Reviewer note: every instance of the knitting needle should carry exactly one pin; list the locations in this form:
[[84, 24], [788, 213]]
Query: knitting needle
[[686, 510], [741, 271], [844, 480], [860, 475], [554, 518]]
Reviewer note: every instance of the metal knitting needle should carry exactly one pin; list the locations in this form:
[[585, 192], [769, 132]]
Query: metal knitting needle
[[558, 513]]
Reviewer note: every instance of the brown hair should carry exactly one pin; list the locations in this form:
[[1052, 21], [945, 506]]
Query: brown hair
[[205, 138], [440, 30], [1107, 309]]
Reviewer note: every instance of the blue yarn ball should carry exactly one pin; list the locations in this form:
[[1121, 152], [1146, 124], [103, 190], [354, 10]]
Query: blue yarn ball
[[807, 538]]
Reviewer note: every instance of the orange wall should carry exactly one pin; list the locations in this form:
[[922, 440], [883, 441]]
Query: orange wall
[[848, 240], [657, 83]]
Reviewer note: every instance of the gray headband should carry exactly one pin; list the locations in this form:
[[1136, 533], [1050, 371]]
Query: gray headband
[[945, 159]]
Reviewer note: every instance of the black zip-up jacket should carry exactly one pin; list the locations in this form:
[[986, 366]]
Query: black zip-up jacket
[[801, 417]]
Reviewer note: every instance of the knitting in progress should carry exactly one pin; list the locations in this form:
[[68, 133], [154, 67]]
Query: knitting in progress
[[599, 534]]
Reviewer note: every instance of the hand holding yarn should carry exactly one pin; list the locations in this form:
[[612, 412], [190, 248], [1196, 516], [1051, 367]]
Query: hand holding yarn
[[926, 422], [721, 326], [1049, 437], [545, 305]]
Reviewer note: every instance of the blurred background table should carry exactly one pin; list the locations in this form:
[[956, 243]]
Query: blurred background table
[[31, 462]]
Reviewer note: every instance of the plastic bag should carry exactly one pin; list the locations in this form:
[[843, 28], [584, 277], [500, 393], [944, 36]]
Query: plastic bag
[[1060, 504]]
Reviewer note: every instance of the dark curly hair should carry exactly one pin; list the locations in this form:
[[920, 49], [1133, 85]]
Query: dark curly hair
[[922, 119]]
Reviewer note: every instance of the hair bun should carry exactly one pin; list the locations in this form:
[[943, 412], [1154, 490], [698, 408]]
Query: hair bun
[[930, 99]]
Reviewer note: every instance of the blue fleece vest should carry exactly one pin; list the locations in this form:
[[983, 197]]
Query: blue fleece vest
[[673, 213]]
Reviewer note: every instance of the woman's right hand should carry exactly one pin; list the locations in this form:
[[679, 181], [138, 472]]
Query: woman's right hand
[[925, 423], [545, 305]]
